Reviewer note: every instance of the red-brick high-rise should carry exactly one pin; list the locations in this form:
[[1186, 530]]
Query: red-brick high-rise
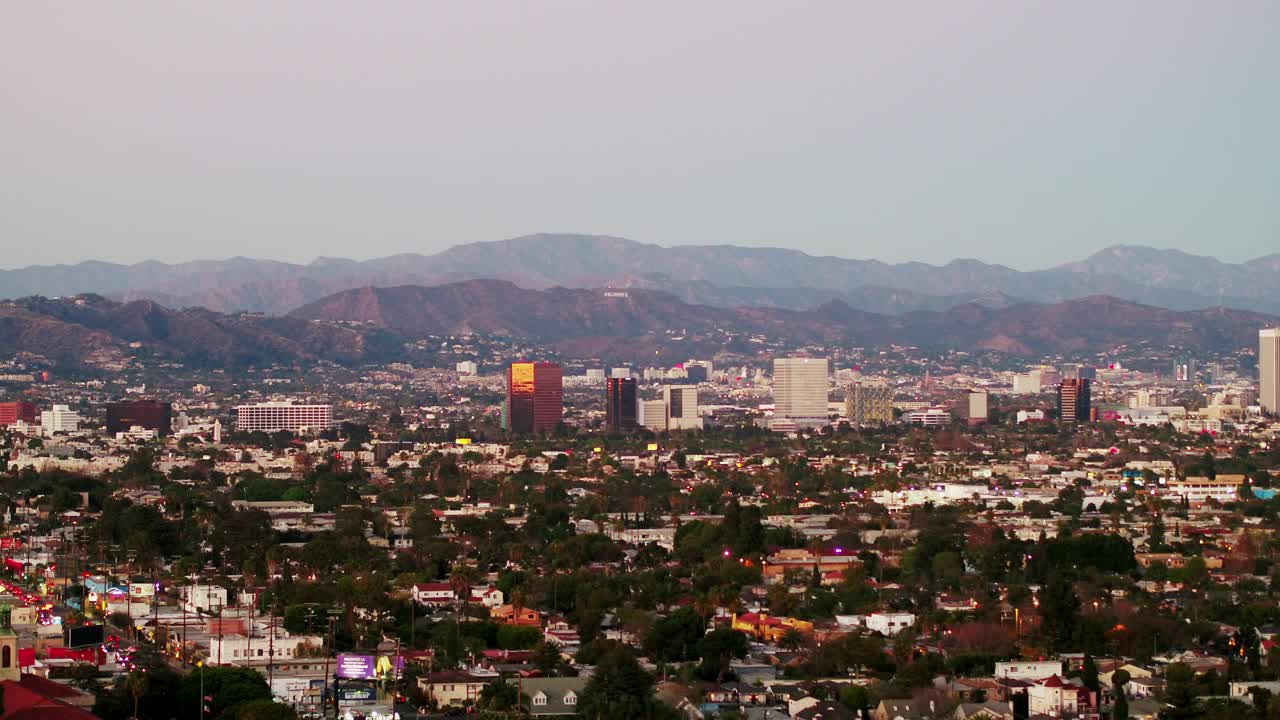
[[12, 412]]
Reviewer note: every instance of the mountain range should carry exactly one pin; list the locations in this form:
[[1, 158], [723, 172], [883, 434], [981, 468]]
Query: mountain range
[[722, 276], [368, 324]]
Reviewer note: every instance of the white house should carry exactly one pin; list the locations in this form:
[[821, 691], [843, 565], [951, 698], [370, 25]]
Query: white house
[[204, 598], [1056, 697], [487, 595], [1024, 670], [434, 594], [889, 623], [241, 650]]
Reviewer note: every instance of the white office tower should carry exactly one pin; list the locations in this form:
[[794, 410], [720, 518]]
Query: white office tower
[[1027, 384], [595, 375], [681, 404], [61, 419], [275, 416], [977, 407], [620, 372], [800, 391], [1269, 369], [652, 415], [467, 367]]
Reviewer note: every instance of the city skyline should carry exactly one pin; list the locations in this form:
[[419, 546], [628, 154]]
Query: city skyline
[[765, 440]]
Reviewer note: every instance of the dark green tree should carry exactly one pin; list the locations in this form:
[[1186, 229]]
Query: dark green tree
[[620, 688], [1089, 674], [1059, 611]]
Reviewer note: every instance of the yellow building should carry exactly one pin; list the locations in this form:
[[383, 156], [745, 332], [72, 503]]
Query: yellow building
[[765, 628]]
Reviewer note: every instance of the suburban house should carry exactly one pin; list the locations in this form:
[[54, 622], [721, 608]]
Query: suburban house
[[434, 594], [560, 633], [487, 595], [453, 687], [904, 710], [515, 615], [1057, 697], [542, 697], [984, 711], [764, 627]]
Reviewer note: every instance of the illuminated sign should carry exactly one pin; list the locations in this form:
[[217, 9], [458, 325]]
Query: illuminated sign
[[356, 667]]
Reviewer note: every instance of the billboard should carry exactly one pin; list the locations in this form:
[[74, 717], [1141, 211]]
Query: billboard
[[80, 636], [348, 694], [356, 667], [142, 590]]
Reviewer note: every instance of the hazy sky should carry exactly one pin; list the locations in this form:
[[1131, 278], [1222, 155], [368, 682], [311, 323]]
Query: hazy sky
[[1028, 133]]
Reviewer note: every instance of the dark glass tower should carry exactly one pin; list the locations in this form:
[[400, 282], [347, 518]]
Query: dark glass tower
[[146, 414], [1073, 401], [620, 405]]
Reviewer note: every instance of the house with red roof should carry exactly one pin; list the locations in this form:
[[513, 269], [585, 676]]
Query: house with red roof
[[438, 594], [1060, 697], [32, 697]]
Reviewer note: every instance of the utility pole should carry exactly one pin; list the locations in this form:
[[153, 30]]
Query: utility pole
[[271, 649], [332, 634], [183, 597], [248, 661], [219, 611]]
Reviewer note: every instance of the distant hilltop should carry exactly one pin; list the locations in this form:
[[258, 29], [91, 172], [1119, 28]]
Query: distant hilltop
[[715, 275]]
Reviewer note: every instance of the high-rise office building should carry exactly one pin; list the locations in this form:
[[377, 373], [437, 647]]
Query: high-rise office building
[[696, 373], [1269, 369], [535, 397], [1073, 401], [60, 419], [800, 391], [273, 417], [653, 415], [620, 405], [147, 414], [1027, 383], [681, 404], [1184, 370], [977, 407], [15, 412], [868, 402]]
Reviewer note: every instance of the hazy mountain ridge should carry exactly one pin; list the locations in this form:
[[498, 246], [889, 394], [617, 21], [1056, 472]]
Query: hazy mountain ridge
[[721, 275], [562, 314], [365, 325], [71, 330]]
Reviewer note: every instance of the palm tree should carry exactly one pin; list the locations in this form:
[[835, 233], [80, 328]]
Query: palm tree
[[137, 683]]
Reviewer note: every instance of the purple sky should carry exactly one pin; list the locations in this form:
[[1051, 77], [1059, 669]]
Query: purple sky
[[1017, 132]]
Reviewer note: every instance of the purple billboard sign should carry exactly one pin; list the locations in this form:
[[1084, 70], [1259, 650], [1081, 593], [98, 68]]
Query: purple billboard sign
[[356, 667]]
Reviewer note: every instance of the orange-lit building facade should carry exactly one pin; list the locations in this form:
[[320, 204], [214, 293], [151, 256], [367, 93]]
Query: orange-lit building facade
[[535, 397]]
